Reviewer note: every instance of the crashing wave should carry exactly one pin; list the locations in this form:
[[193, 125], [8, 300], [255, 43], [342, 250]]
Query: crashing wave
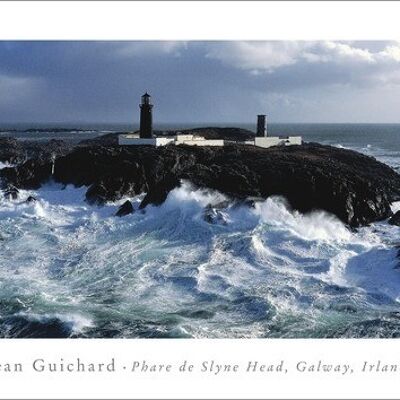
[[267, 271]]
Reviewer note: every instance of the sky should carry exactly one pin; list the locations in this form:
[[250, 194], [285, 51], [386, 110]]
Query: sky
[[198, 82]]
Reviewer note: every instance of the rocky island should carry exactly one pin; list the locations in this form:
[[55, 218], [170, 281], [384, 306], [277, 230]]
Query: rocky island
[[356, 188]]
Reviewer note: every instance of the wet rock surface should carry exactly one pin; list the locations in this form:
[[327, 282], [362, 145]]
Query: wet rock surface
[[11, 192], [356, 188], [17, 152], [125, 209], [31, 199], [395, 219]]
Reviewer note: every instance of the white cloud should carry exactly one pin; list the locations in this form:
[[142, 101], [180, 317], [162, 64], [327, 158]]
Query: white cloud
[[256, 56], [337, 52], [391, 52], [270, 56]]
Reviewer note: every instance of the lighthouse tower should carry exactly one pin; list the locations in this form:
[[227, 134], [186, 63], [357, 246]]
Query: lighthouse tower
[[261, 126], [146, 117]]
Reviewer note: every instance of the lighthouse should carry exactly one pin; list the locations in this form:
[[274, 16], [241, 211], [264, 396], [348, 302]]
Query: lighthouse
[[261, 126], [192, 138], [146, 117]]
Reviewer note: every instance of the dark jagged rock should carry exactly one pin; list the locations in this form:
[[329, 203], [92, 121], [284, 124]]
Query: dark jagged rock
[[158, 193], [11, 192], [125, 209], [395, 219], [10, 150], [17, 152], [110, 189], [109, 139], [35, 161], [31, 199], [356, 188], [29, 175]]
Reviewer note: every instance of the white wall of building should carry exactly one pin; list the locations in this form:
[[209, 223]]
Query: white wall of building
[[191, 140], [131, 140], [204, 142], [296, 140], [164, 141], [270, 141], [182, 138]]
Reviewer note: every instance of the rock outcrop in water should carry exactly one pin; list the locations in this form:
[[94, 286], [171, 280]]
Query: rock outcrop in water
[[356, 188], [125, 209], [31, 199], [395, 219], [11, 192]]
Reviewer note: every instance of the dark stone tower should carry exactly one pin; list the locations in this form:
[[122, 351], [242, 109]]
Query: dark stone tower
[[146, 117], [261, 128]]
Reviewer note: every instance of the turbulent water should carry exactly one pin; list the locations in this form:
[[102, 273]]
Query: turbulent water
[[68, 269]]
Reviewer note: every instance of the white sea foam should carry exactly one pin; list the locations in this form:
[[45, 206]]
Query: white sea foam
[[395, 206], [5, 165], [317, 225], [267, 271]]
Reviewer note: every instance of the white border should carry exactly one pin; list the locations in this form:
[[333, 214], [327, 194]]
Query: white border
[[211, 20], [214, 20], [200, 385]]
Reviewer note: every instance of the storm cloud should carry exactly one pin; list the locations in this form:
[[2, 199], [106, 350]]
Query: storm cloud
[[200, 81]]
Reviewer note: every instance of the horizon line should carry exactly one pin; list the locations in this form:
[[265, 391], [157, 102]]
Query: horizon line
[[6, 125]]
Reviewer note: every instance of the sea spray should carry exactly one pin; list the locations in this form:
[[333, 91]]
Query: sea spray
[[268, 271], [317, 225], [5, 165]]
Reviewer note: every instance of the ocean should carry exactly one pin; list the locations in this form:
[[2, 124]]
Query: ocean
[[68, 269]]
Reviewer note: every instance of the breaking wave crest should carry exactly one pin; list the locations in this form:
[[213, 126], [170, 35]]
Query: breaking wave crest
[[68, 269]]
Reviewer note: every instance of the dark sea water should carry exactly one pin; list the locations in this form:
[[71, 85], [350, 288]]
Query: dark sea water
[[68, 269]]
